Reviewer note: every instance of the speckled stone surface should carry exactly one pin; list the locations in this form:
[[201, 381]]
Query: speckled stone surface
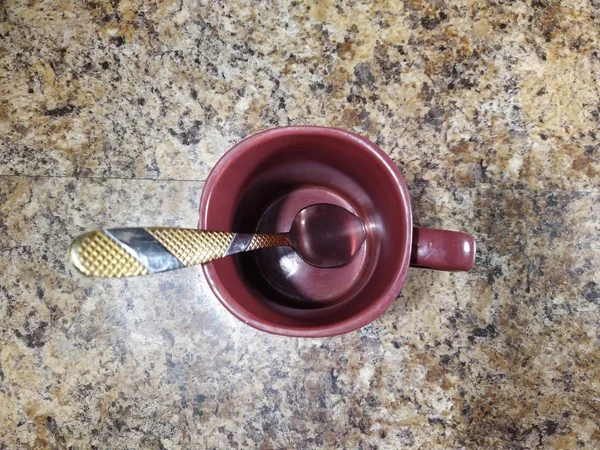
[[112, 114]]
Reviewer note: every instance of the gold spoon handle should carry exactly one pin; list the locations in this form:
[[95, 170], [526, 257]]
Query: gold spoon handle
[[128, 252]]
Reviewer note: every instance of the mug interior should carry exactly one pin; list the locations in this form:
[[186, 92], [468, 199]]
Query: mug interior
[[261, 184]]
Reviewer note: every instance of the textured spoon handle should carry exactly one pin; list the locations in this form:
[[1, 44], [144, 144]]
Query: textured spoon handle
[[128, 252]]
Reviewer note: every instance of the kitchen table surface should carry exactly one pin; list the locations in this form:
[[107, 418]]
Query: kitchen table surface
[[112, 113]]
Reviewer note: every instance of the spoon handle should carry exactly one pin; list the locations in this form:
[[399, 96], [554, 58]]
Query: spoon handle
[[128, 252]]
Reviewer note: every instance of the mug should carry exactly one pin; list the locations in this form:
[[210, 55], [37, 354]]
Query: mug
[[261, 183]]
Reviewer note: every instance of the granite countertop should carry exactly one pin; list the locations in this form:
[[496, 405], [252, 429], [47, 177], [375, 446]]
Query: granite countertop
[[112, 114]]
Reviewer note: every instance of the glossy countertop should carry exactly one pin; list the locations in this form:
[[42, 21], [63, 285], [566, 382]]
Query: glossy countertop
[[113, 113]]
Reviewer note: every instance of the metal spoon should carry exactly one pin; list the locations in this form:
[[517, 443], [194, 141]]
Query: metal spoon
[[324, 235]]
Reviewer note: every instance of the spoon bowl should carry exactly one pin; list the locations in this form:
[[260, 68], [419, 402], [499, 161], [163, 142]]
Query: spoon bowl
[[326, 235]]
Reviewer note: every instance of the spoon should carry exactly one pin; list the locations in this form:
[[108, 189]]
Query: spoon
[[324, 235]]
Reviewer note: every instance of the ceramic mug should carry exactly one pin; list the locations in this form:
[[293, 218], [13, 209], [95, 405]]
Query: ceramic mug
[[260, 185]]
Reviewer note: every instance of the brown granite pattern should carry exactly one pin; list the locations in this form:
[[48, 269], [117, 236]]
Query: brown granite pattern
[[460, 93], [112, 114]]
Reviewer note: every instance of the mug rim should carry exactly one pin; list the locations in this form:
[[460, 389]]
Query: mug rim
[[378, 306]]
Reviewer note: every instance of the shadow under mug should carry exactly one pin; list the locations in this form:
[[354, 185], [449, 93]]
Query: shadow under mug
[[260, 185]]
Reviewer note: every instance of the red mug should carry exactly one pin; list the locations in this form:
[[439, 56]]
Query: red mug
[[260, 185]]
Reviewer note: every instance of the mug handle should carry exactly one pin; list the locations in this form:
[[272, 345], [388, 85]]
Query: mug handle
[[442, 250]]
